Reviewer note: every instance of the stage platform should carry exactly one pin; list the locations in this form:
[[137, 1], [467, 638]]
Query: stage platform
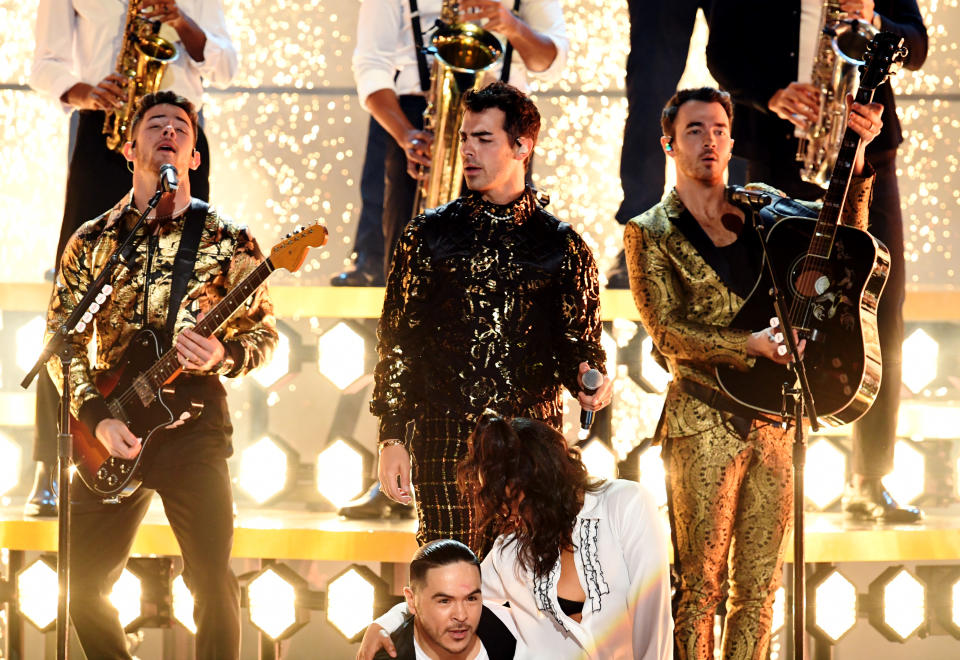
[[302, 535]]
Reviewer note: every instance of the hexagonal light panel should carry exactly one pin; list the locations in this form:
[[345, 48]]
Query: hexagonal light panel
[[779, 610], [652, 475], [898, 604], [265, 469], [183, 604], [273, 601], [906, 482], [340, 472], [599, 459], [823, 482], [10, 457], [920, 352], [126, 595], [834, 606], [340, 353], [37, 590], [279, 366], [29, 338], [350, 601], [656, 376]]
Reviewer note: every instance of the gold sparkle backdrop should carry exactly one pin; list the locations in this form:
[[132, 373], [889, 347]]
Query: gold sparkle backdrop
[[287, 138]]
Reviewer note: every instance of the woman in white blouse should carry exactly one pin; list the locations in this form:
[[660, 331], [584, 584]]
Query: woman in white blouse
[[583, 564]]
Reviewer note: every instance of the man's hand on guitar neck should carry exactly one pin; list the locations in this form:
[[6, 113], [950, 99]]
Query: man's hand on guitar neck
[[198, 353], [117, 438]]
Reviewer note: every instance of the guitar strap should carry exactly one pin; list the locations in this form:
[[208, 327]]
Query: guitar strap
[[418, 47], [186, 258], [508, 52]]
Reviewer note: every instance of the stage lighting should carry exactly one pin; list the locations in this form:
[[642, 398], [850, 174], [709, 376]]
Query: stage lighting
[[906, 482], [267, 469], [351, 600], [652, 373], [920, 352], [824, 479], [943, 597], [126, 595], [37, 590], [29, 340], [340, 472], [340, 355], [651, 474], [183, 604], [897, 604], [599, 459], [272, 594], [609, 346], [10, 457], [635, 416], [779, 610], [833, 612], [284, 361]]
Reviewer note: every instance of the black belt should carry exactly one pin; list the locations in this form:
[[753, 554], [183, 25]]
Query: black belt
[[720, 401]]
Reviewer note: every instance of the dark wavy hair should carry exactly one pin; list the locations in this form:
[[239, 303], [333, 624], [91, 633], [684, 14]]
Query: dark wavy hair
[[704, 94], [166, 97], [510, 458], [522, 117]]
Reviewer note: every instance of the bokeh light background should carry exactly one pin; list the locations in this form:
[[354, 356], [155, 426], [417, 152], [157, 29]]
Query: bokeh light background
[[287, 137]]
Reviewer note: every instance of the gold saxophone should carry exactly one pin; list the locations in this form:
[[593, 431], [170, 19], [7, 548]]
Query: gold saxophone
[[143, 57], [841, 44], [461, 53]]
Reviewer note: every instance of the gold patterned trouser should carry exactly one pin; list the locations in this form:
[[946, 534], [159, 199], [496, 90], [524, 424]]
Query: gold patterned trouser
[[730, 504]]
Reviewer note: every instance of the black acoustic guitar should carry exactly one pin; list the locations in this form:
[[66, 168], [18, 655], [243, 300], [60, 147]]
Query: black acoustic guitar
[[831, 277], [141, 391]]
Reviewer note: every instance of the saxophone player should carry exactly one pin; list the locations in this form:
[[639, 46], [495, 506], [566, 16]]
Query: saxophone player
[[390, 86], [77, 43], [768, 73]]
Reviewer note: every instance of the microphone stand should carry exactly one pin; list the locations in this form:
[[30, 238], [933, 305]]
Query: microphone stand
[[800, 402], [59, 346]]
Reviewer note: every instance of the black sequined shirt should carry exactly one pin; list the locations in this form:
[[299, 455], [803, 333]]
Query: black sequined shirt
[[486, 306]]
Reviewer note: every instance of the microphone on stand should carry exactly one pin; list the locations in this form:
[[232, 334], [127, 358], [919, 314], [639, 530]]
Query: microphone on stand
[[592, 380], [168, 178]]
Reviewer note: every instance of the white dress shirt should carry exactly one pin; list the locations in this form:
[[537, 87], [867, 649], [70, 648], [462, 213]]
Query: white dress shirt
[[78, 41], [385, 58]]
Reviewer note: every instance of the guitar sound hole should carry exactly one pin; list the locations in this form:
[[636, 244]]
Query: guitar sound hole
[[809, 281]]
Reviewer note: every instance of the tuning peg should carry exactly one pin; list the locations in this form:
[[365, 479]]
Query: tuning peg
[[94, 308], [100, 298], [778, 337], [781, 350], [774, 322], [107, 289], [81, 326]]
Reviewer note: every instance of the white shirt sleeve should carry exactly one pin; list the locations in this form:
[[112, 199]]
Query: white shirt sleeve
[[546, 17], [52, 71], [393, 618], [492, 584], [220, 61], [379, 32], [643, 540]]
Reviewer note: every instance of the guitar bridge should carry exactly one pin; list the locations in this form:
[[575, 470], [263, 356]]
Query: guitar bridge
[[144, 391]]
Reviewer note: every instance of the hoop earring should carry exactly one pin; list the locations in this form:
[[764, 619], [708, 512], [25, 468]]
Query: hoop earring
[[130, 166]]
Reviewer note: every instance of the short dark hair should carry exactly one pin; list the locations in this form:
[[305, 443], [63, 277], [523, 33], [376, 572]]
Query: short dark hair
[[435, 554], [165, 97], [522, 117], [705, 94]]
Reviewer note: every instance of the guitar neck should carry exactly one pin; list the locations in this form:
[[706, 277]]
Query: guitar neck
[[167, 366], [833, 201]]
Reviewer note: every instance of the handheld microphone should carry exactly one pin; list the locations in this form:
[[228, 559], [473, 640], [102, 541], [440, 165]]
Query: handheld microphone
[[168, 178], [752, 200], [592, 380]]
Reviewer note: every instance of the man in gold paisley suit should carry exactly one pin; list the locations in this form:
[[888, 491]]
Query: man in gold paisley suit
[[692, 261]]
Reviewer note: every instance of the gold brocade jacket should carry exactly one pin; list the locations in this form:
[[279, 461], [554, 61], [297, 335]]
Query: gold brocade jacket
[[226, 254], [686, 308]]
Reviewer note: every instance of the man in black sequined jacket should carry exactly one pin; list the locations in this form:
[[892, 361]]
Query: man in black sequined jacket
[[491, 303]]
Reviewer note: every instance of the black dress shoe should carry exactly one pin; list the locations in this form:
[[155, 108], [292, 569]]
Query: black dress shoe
[[42, 501], [374, 504], [872, 502], [363, 273], [617, 277]]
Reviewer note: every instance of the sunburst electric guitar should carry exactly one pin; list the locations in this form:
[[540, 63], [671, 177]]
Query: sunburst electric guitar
[[141, 391], [831, 277]]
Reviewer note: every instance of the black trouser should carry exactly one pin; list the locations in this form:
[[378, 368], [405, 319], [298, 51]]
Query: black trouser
[[874, 434], [198, 503], [368, 243], [96, 180], [400, 188], [659, 40]]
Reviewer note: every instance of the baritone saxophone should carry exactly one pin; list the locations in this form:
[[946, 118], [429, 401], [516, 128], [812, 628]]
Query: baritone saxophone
[[842, 42], [142, 59], [461, 53]]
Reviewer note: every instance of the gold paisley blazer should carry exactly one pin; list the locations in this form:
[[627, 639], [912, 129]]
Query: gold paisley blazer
[[686, 308]]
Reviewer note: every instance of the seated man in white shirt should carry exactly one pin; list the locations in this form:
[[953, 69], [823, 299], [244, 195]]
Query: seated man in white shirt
[[449, 619]]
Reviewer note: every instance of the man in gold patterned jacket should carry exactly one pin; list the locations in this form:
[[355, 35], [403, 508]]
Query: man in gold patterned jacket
[[692, 261], [491, 303], [186, 465]]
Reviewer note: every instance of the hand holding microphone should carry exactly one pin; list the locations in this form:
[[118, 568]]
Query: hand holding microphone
[[594, 394]]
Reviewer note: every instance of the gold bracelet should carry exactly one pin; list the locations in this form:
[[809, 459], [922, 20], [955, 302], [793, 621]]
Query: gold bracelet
[[390, 443]]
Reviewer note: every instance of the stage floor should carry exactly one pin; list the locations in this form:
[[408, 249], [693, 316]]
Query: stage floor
[[299, 534]]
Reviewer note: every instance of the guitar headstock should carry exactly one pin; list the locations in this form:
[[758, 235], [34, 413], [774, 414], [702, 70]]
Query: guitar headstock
[[884, 54], [291, 252]]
